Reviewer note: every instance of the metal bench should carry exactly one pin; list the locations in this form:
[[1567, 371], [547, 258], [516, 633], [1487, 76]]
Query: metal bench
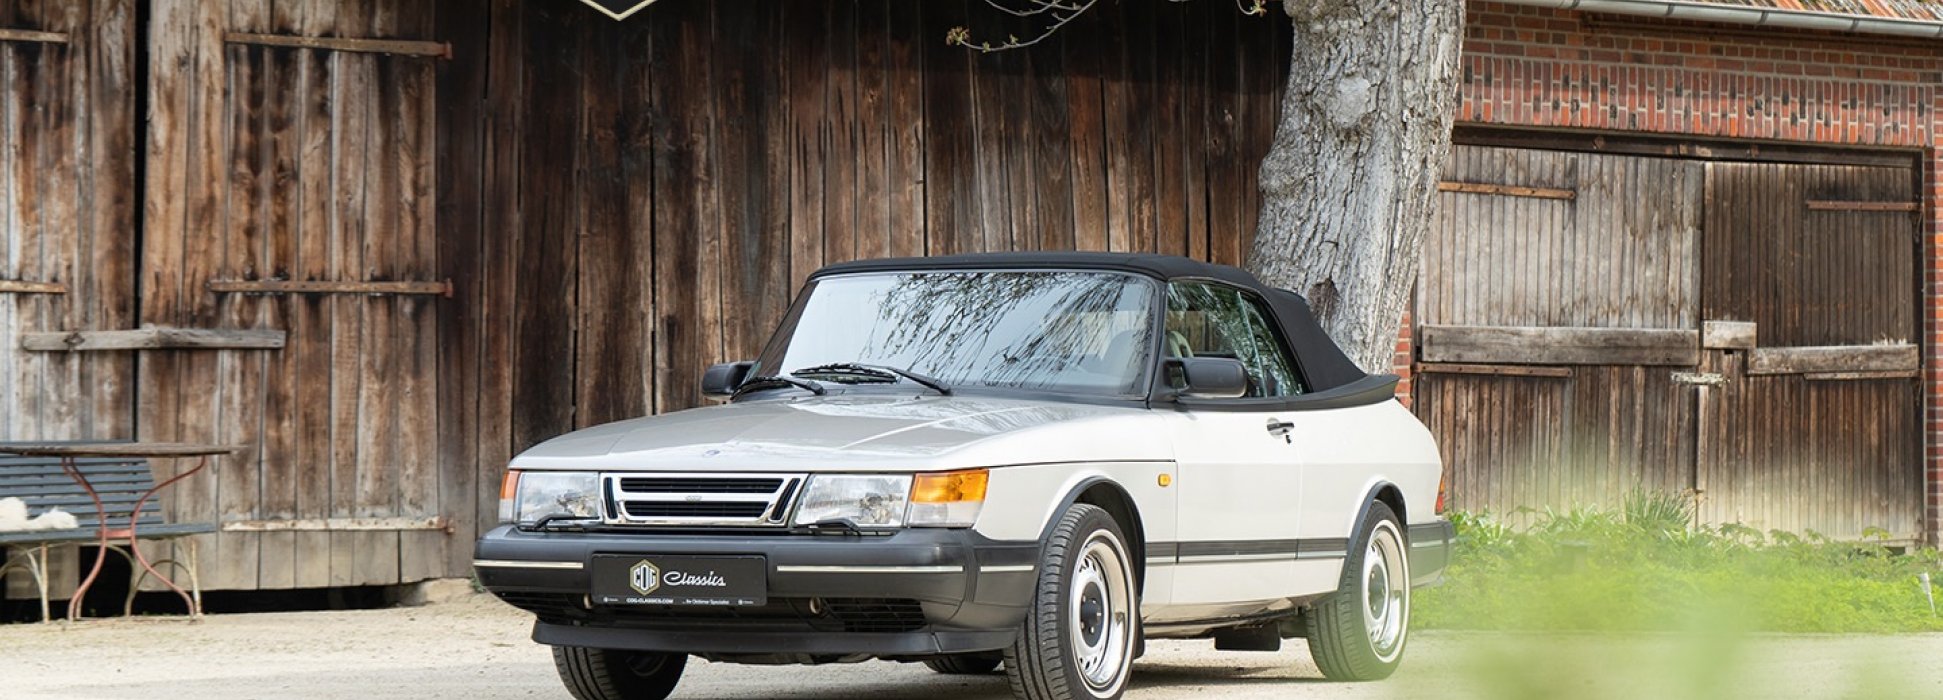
[[122, 484]]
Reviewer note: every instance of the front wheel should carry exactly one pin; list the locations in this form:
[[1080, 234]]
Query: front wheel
[[1079, 637], [1357, 633], [614, 674]]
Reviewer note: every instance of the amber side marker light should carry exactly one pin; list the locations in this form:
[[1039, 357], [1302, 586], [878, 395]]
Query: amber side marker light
[[508, 489], [950, 487]]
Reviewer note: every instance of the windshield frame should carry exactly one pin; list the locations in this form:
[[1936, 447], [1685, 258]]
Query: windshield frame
[[1140, 394]]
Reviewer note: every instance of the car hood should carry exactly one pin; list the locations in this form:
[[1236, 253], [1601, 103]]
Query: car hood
[[851, 432]]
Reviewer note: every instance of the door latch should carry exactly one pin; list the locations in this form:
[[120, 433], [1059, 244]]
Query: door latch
[[1699, 378]]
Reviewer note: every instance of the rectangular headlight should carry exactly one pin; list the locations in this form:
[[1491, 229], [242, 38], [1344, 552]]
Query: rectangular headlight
[[949, 499], [572, 495], [868, 500]]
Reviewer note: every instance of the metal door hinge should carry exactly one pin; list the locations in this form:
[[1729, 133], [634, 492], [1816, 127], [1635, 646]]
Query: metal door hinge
[[1699, 378]]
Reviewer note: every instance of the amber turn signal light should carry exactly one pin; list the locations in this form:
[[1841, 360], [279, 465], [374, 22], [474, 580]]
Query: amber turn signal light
[[949, 487]]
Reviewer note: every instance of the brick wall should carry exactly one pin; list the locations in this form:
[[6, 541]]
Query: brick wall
[[1539, 67]]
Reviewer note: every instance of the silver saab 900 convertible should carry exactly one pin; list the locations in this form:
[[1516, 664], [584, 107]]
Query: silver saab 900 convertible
[[1036, 460]]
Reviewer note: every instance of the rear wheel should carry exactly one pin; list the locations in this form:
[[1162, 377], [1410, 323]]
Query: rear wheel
[[1358, 632], [1080, 636], [966, 664], [614, 674]]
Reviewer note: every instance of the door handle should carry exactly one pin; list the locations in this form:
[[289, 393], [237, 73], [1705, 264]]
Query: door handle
[[1280, 428]]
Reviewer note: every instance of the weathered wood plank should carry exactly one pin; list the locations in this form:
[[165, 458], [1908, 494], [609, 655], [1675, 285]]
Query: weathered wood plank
[[1558, 346], [391, 524], [1507, 190], [1731, 335], [1493, 370], [1836, 358], [1836, 205], [32, 36], [397, 47], [154, 339], [28, 287], [1853, 376], [460, 181], [380, 287], [312, 322]]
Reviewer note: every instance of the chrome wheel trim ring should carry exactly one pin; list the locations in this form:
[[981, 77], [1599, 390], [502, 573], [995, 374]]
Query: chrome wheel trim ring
[[1099, 610], [1385, 592]]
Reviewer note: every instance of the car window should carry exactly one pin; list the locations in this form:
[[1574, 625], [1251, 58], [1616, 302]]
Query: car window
[[1212, 320]]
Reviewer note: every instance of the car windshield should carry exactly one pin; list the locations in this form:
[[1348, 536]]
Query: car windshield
[[1065, 332]]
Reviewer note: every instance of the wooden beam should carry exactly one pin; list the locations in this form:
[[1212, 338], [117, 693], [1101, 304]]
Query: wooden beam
[[1728, 335], [1833, 359], [1493, 370], [1837, 205], [1525, 345], [1506, 190], [30, 35], [439, 288], [153, 339], [339, 525], [1849, 376], [26, 287], [397, 47]]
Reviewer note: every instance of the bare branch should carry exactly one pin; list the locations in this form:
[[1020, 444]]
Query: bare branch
[[961, 36], [1042, 7]]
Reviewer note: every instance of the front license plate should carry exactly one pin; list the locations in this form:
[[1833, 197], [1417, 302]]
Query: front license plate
[[651, 579]]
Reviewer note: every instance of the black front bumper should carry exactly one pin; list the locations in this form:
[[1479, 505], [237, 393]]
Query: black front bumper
[[917, 592]]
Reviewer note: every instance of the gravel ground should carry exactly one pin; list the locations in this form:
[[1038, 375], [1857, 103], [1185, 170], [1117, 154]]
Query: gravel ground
[[475, 648]]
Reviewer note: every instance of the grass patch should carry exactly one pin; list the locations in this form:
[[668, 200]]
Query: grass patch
[[1643, 567]]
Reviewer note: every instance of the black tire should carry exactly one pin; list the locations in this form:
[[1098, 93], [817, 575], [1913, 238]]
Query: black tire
[[1049, 659], [614, 674], [1342, 639], [966, 664]]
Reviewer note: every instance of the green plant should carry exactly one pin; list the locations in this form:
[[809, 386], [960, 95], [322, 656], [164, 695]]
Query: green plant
[[1645, 566]]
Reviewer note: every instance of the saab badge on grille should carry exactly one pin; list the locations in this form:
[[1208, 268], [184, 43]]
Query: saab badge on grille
[[644, 577]]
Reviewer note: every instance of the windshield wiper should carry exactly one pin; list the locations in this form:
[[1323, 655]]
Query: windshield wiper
[[883, 373], [772, 380]]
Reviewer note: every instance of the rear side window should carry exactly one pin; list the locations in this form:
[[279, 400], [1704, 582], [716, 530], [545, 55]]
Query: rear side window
[[1213, 320]]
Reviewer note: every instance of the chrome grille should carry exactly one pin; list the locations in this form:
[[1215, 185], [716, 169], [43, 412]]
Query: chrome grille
[[709, 499]]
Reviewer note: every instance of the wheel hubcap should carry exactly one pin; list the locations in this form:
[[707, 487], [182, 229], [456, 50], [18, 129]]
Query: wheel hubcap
[[1102, 601], [1386, 590]]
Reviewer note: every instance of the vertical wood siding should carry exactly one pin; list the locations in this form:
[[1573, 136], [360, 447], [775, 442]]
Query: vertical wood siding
[[1789, 451], [1622, 253], [303, 164]]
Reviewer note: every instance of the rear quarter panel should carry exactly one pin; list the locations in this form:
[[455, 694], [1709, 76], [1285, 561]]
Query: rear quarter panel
[[1347, 453]]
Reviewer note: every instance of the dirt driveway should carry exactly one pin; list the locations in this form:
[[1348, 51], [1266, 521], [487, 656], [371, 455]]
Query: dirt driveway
[[475, 648]]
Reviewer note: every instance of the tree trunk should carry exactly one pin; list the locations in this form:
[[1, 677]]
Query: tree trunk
[[1349, 185]]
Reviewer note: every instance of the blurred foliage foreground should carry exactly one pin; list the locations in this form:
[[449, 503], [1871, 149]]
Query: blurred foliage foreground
[[1646, 567]]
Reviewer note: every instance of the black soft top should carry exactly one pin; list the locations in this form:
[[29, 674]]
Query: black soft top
[[1323, 364]]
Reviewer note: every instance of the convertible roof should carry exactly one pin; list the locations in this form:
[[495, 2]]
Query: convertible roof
[[1323, 364]]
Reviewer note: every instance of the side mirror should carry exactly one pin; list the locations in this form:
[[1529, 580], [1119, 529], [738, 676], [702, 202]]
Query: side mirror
[[1211, 377], [720, 381]]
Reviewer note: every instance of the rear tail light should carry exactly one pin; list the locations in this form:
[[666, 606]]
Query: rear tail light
[[1441, 492]]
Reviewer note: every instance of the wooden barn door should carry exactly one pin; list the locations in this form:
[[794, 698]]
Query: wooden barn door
[[1557, 314], [290, 190], [1813, 420]]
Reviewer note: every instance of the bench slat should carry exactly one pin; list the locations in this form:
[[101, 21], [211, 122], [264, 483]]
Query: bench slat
[[86, 534]]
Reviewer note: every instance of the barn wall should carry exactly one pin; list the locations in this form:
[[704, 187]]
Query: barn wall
[[1748, 94], [630, 202]]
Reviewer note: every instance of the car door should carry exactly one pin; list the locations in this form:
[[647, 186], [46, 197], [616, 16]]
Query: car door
[[1238, 473]]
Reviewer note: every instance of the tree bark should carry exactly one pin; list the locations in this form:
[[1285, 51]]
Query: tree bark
[[1349, 186]]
